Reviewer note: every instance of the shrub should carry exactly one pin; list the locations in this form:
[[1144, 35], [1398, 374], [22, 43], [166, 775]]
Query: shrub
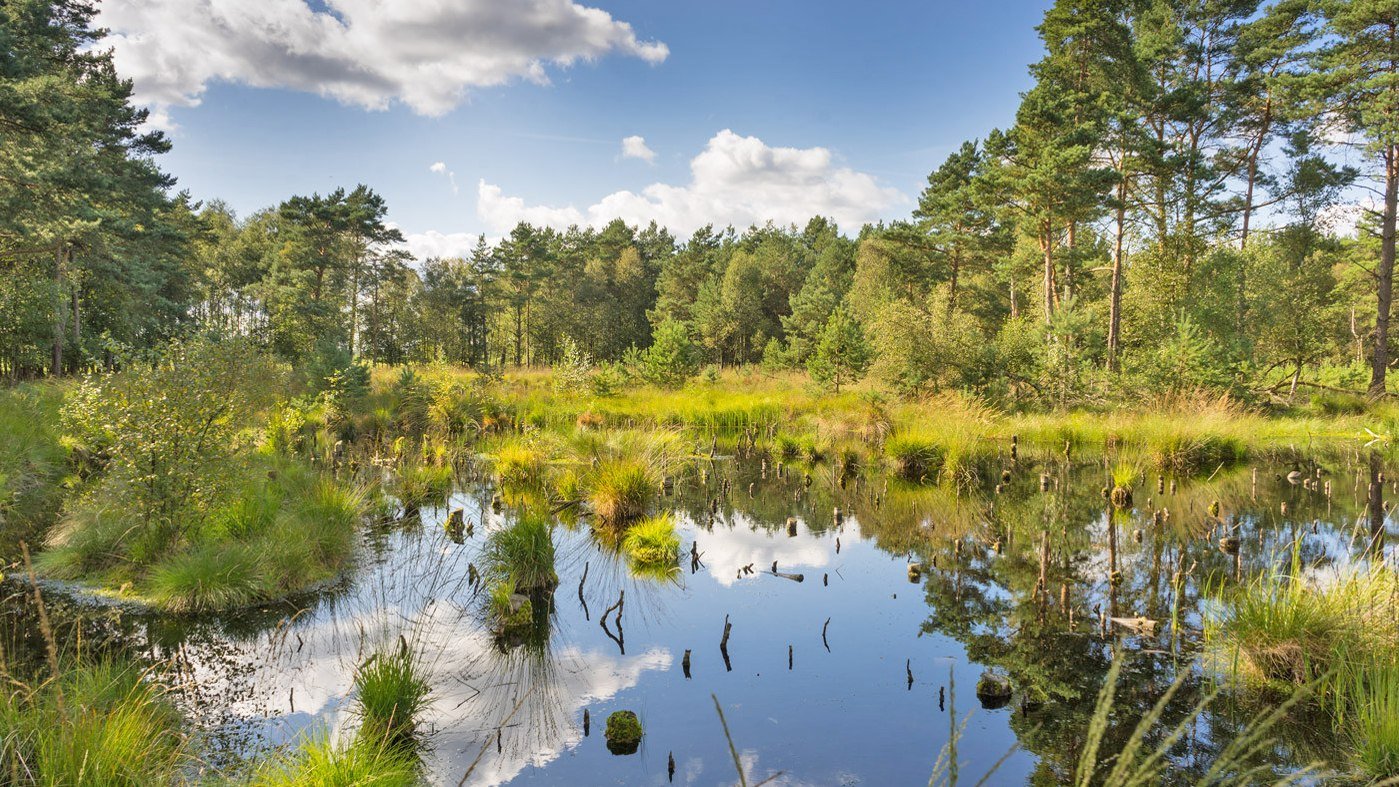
[[168, 425], [671, 360]]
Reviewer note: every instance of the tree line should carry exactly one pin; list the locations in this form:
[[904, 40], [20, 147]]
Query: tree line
[[1193, 194]]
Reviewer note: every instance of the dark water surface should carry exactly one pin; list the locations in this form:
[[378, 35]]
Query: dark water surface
[[844, 712]]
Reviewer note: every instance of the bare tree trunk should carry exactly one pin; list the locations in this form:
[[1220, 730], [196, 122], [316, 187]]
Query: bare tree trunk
[[1047, 246], [1379, 364], [1115, 295]]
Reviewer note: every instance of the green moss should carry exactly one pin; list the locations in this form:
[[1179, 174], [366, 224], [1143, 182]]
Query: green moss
[[623, 732]]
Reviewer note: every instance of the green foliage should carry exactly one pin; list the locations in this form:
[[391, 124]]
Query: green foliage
[[670, 360], [573, 370], [167, 428], [841, 354], [389, 693], [619, 490], [320, 762], [418, 485]]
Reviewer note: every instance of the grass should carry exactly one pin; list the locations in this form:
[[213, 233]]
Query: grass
[[620, 490], [282, 528], [32, 461], [422, 485], [522, 554], [1375, 729], [652, 542], [390, 693], [519, 463], [320, 762], [100, 722], [1337, 632]]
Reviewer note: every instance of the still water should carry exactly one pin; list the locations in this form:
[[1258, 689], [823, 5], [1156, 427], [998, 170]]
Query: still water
[[850, 676]]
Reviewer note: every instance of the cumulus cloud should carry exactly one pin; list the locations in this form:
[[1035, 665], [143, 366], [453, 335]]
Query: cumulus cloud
[[425, 54], [635, 147], [424, 245], [735, 180]]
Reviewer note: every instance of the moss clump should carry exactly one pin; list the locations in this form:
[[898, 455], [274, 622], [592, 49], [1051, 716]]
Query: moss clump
[[993, 689], [623, 732]]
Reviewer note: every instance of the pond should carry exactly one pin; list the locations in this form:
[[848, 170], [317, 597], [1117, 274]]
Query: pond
[[846, 666]]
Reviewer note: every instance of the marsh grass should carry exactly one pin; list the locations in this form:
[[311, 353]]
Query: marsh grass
[[520, 463], [320, 762], [653, 544], [281, 528], [99, 722], [32, 459], [390, 693], [421, 485], [521, 554], [620, 490]]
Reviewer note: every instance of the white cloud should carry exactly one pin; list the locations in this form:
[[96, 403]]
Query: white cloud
[[425, 54], [432, 243], [440, 168], [635, 147], [735, 180]]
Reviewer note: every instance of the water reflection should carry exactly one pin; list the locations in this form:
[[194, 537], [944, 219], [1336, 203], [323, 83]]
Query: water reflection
[[1044, 585]]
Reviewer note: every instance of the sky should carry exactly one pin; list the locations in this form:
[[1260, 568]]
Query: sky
[[471, 115]]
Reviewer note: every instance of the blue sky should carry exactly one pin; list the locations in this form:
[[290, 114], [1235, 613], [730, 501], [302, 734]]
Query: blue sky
[[888, 89]]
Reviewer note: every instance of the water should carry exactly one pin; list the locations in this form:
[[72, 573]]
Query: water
[[844, 711]]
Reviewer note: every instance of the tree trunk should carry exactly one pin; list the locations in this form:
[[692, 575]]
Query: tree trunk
[[1115, 294], [1379, 363], [1047, 246], [77, 329], [58, 310]]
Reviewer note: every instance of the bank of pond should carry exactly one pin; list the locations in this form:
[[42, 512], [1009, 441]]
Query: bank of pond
[[220, 570]]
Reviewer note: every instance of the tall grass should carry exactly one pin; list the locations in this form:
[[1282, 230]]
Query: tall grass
[[1339, 632], [419, 485], [281, 528], [620, 490], [99, 722], [522, 554], [321, 762], [652, 543], [32, 461], [390, 693]]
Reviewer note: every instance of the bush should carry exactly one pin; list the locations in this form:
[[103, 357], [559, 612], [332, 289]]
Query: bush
[[168, 426]]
